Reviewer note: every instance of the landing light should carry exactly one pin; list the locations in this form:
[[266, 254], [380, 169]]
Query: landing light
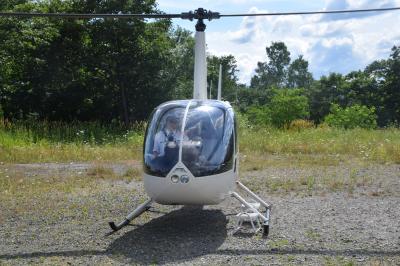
[[175, 178], [184, 179]]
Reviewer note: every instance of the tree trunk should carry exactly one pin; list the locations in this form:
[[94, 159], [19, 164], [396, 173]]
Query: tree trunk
[[124, 106]]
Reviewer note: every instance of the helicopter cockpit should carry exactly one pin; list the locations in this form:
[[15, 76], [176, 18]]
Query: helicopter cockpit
[[198, 133]]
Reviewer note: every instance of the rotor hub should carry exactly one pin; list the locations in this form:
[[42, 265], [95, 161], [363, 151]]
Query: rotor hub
[[200, 14]]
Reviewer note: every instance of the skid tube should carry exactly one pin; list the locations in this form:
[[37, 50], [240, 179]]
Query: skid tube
[[264, 217], [138, 211]]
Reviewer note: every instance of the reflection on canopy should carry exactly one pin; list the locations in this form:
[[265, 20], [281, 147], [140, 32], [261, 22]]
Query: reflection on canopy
[[206, 144]]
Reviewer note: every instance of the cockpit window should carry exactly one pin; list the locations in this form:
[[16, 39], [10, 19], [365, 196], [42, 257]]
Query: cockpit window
[[206, 144], [207, 148], [163, 138]]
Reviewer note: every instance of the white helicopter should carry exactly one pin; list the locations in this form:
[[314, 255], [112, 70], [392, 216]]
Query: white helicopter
[[200, 164], [203, 169]]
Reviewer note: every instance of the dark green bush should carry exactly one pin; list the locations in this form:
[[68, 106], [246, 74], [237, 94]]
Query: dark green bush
[[352, 117]]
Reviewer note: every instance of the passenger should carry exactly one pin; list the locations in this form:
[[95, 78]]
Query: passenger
[[166, 143]]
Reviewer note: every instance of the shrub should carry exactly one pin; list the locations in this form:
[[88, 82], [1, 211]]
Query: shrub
[[352, 117], [300, 124], [287, 105], [1, 113], [259, 115]]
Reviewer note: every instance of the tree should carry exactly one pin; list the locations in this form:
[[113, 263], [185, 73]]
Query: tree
[[382, 88], [274, 72], [229, 76], [85, 69], [182, 63], [391, 88], [329, 89], [287, 105], [298, 74]]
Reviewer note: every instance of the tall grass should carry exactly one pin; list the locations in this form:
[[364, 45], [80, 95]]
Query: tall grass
[[33, 141], [375, 145], [380, 145]]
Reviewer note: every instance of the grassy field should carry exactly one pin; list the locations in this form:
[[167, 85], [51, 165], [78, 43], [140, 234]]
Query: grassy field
[[32, 142]]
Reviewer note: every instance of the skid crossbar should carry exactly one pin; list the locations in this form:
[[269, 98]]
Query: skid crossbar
[[253, 195], [264, 217]]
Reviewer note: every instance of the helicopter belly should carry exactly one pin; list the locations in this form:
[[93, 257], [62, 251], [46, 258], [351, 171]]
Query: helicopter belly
[[205, 190]]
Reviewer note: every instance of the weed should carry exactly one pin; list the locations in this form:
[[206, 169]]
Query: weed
[[276, 244], [133, 173], [290, 258], [310, 183], [338, 260], [100, 172], [313, 235]]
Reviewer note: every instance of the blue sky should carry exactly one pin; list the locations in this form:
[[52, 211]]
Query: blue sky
[[331, 43]]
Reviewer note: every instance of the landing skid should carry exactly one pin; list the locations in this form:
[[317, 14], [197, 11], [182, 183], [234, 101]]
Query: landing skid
[[137, 212], [250, 212]]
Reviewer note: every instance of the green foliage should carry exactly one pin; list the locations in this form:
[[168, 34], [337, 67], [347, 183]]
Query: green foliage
[[287, 105], [278, 72], [259, 115], [298, 75], [85, 69], [119, 70], [328, 90], [250, 96], [352, 117], [182, 63], [376, 86], [229, 78], [272, 73], [1, 113]]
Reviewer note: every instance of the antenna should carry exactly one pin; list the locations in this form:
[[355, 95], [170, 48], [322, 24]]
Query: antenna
[[219, 83], [210, 89]]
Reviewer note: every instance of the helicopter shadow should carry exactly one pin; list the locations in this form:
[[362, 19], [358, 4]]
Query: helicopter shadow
[[177, 236]]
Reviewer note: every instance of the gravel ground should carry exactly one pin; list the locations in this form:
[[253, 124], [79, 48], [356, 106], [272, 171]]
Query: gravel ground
[[326, 226]]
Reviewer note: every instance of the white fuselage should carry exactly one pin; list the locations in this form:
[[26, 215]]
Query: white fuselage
[[204, 190]]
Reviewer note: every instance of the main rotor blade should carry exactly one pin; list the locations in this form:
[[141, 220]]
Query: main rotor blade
[[204, 14], [85, 16], [313, 12]]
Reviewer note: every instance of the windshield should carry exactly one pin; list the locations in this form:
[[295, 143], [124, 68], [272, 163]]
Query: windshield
[[208, 146], [206, 143], [163, 136]]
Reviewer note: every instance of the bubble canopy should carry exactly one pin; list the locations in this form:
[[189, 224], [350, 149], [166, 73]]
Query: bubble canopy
[[199, 133]]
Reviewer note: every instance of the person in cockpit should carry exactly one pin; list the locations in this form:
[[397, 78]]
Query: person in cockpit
[[166, 143]]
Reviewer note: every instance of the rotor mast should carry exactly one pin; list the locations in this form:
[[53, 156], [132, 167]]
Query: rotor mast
[[200, 57], [200, 65]]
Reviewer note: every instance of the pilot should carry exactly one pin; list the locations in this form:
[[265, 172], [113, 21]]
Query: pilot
[[166, 143]]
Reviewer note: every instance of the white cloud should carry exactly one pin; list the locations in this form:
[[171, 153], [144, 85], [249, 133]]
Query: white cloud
[[334, 43], [330, 45]]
